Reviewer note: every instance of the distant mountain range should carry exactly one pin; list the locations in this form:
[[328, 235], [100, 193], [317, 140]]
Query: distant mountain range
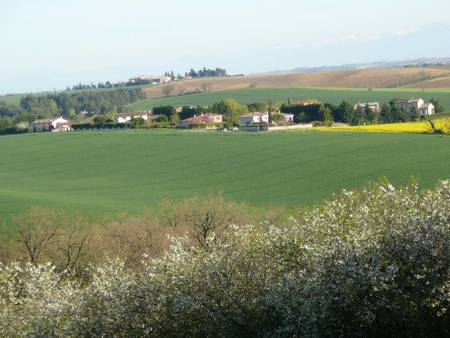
[[422, 62]]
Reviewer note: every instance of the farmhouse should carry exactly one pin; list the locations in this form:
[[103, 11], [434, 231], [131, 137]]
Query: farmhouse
[[208, 121], [127, 117], [254, 122], [372, 106], [415, 106], [254, 119], [58, 124], [427, 109]]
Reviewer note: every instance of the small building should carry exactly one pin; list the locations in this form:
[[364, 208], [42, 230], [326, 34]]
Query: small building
[[411, 106], [427, 109], [154, 80], [415, 106], [59, 124], [254, 119], [372, 106], [207, 121], [127, 117], [254, 122], [288, 118], [62, 127]]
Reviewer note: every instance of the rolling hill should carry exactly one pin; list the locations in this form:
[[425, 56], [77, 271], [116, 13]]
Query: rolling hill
[[357, 78], [113, 172], [331, 95]]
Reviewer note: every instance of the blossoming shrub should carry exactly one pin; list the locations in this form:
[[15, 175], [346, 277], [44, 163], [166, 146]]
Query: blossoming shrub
[[374, 263]]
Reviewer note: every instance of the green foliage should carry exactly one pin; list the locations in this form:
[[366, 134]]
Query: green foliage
[[326, 115], [162, 119], [188, 111], [370, 263], [437, 106], [69, 104], [277, 118], [304, 114], [169, 111], [8, 127], [161, 122], [102, 125], [102, 119], [138, 123], [257, 107], [230, 109]]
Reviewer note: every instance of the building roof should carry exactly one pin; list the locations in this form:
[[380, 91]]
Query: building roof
[[131, 114], [255, 114], [43, 121], [426, 105], [201, 118], [211, 115], [411, 100]]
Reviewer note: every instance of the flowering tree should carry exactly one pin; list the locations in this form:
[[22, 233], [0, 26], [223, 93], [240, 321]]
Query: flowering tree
[[374, 262]]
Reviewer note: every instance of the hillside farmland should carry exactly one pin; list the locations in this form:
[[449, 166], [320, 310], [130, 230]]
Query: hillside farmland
[[359, 78], [109, 173], [331, 95]]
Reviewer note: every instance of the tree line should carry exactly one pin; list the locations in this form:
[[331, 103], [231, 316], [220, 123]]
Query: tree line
[[68, 105], [205, 72], [100, 85], [328, 113]]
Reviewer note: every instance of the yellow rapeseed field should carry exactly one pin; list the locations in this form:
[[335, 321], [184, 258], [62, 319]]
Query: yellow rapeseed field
[[407, 127]]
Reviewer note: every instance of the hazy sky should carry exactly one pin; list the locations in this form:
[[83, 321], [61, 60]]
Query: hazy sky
[[47, 44]]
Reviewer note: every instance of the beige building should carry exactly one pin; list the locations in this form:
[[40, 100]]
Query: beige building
[[254, 119], [208, 121], [59, 124], [127, 117], [373, 106], [415, 106]]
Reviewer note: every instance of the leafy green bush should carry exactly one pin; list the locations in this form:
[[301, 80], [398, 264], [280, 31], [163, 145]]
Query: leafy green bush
[[109, 125], [369, 263]]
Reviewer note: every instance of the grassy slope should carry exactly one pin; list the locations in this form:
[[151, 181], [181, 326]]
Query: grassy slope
[[112, 172], [11, 99], [333, 95]]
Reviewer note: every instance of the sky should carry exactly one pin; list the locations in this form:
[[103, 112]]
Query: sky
[[51, 44]]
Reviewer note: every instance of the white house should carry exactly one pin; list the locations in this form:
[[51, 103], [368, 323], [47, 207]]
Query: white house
[[288, 118], [59, 124], [127, 117], [415, 106], [373, 106], [427, 109], [411, 106], [254, 119]]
